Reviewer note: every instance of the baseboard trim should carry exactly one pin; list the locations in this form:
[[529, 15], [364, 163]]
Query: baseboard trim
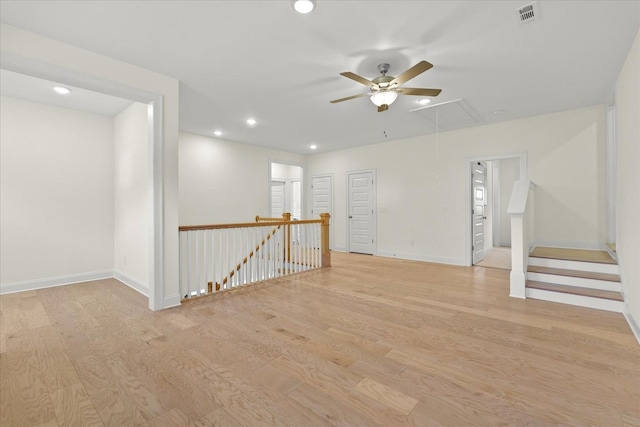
[[131, 282], [632, 323], [31, 285], [414, 257]]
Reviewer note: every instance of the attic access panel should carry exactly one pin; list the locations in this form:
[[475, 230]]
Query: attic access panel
[[449, 115]]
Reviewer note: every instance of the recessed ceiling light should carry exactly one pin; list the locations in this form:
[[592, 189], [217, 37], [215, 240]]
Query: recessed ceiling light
[[304, 6], [217, 132], [61, 90], [423, 101], [251, 122], [313, 146]]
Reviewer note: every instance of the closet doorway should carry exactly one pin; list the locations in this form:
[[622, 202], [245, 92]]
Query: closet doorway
[[285, 189]]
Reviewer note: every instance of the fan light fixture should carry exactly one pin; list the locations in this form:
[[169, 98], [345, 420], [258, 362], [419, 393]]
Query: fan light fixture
[[383, 98], [384, 89], [304, 6]]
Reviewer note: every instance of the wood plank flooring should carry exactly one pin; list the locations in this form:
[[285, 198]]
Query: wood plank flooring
[[368, 342]]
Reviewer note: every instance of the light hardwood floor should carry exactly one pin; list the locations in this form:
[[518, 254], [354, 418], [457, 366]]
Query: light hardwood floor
[[370, 341]]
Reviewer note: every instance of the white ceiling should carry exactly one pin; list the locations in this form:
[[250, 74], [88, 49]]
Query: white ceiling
[[237, 59]]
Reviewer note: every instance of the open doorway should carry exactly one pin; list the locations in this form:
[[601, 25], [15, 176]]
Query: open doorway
[[130, 171], [285, 189], [489, 187]]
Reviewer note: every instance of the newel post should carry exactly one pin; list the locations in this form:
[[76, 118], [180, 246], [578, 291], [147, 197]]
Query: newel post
[[286, 217], [324, 239]]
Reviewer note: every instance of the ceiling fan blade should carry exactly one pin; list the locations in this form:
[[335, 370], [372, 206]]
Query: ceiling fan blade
[[383, 107], [412, 72], [349, 97], [352, 76], [419, 92]]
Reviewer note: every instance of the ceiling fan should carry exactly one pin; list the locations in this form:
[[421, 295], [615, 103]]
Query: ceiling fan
[[385, 89]]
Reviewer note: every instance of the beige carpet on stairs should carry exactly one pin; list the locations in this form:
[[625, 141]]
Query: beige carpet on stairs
[[497, 258]]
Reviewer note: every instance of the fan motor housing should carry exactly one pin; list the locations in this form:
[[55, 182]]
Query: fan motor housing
[[383, 81]]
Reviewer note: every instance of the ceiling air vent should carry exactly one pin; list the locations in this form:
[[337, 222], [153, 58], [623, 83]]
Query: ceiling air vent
[[527, 13]]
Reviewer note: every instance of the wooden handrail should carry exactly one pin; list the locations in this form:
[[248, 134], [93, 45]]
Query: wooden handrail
[[267, 219], [246, 225]]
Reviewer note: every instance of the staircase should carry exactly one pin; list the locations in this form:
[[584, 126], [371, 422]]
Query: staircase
[[580, 277]]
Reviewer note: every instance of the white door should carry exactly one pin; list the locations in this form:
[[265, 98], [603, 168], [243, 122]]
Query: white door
[[361, 219], [277, 199], [478, 214], [321, 189], [322, 200]]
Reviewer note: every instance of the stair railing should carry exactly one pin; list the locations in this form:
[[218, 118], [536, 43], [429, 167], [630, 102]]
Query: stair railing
[[219, 257], [521, 208]]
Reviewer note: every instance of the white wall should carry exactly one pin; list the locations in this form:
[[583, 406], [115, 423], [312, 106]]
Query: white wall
[[628, 182], [56, 195], [421, 182], [223, 181], [30, 53], [489, 211], [132, 201]]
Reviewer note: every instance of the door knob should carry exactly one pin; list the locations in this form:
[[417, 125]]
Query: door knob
[[350, 217]]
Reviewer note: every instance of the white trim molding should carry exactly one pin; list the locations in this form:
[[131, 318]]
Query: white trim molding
[[50, 282], [422, 258], [131, 282]]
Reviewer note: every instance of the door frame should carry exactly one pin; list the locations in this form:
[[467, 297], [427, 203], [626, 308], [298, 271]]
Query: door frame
[[374, 203], [269, 179], [468, 232]]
